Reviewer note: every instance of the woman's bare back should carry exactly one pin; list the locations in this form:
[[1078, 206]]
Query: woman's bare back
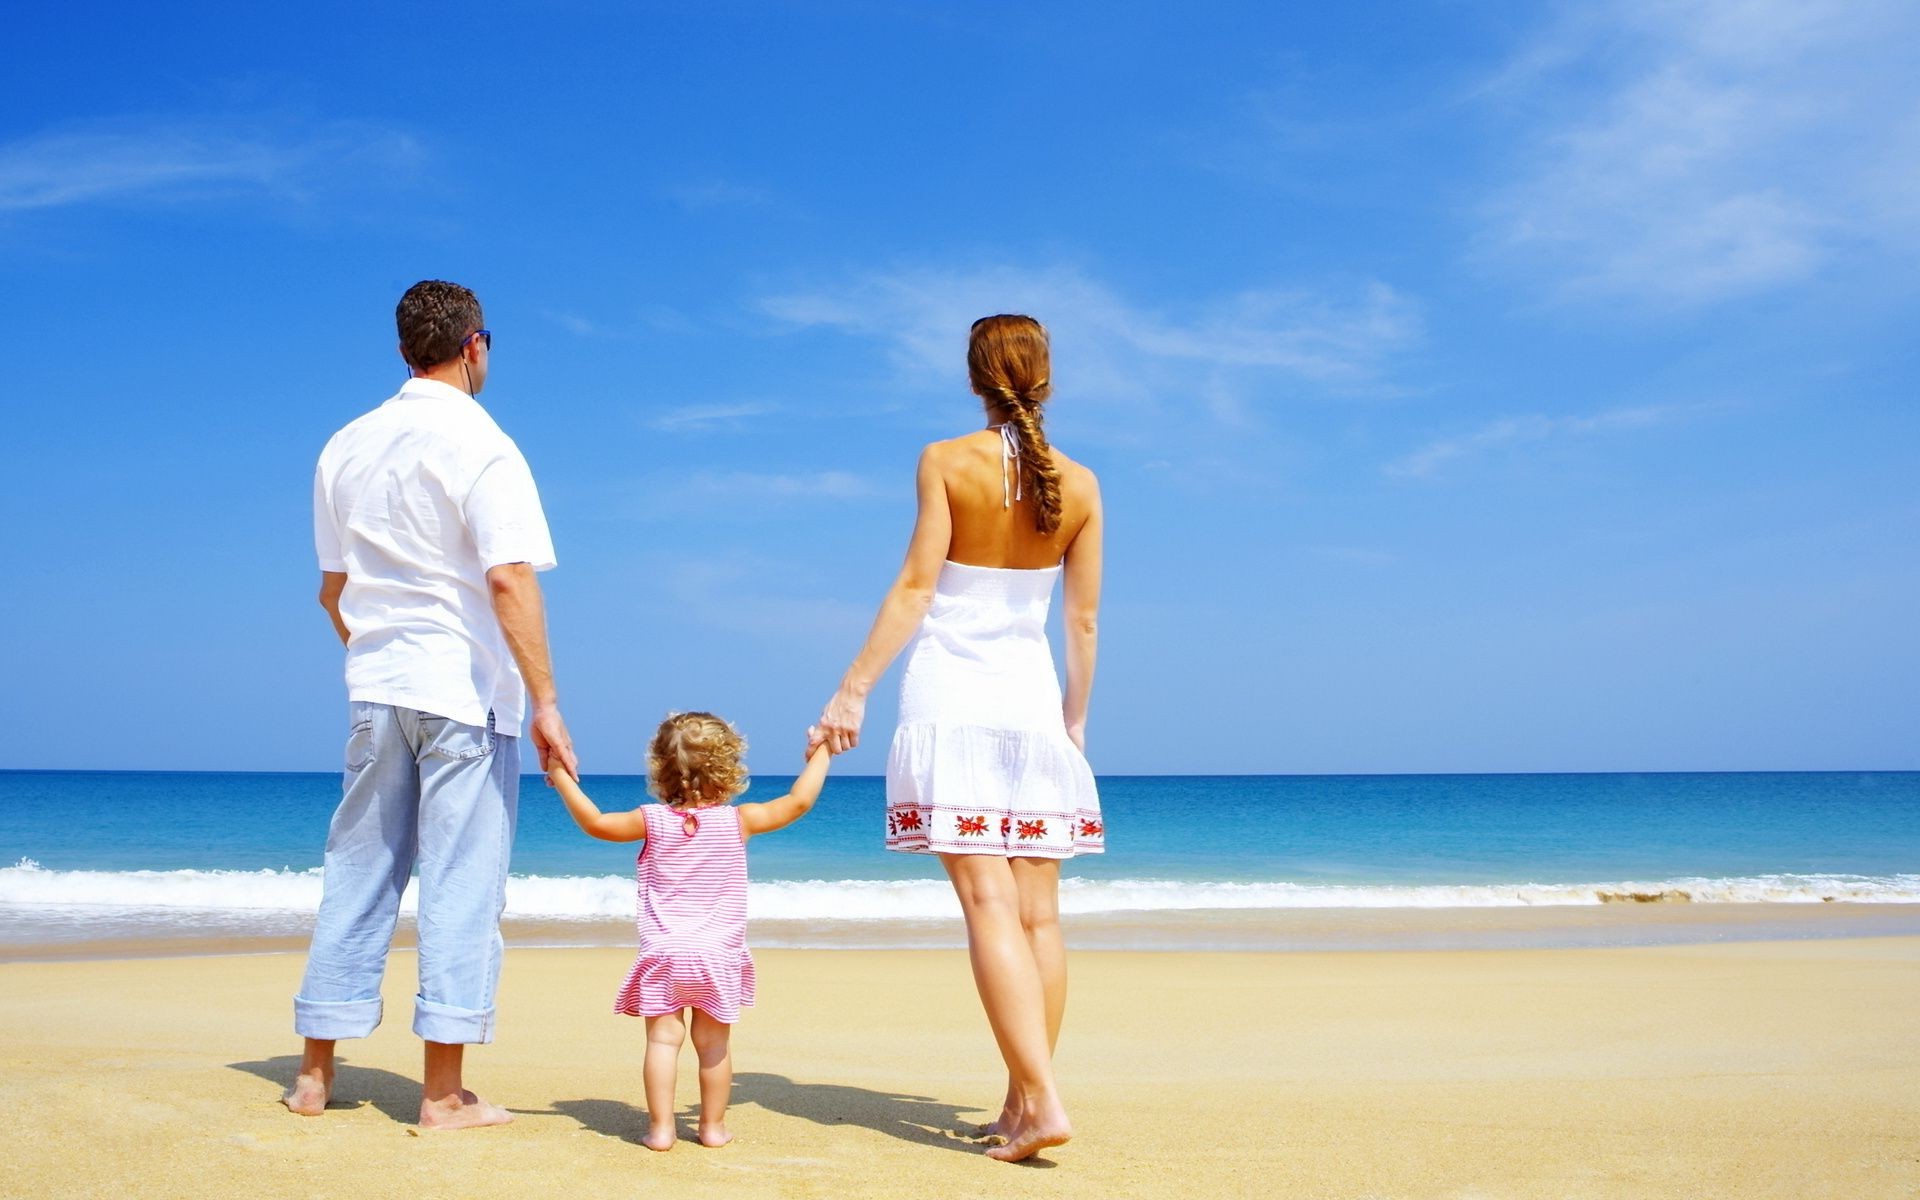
[[987, 530]]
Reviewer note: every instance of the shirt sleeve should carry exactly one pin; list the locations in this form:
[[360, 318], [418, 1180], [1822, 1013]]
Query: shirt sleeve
[[326, 534], [504, 514]]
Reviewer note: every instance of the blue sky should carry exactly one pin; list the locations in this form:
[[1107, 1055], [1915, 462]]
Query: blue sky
[[1473, 387]]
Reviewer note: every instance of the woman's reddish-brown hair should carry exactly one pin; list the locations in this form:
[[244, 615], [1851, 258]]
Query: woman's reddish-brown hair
[[1010, 367]]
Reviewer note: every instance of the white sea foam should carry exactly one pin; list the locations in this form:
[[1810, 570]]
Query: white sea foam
[[27, 887]]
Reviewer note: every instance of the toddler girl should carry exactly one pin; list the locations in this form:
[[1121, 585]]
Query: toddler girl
[[692, 907]]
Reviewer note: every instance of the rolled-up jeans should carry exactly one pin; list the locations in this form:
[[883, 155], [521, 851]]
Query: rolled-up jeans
[[423, 788]]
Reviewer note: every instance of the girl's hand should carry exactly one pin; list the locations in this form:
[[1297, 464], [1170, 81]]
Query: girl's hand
[[840, 721], [1077, 734]]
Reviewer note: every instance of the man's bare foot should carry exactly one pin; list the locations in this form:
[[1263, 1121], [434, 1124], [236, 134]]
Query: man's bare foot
[[715, 1135], [659, 1137], [309, 1094], [464, 1111], [1033, 1134]]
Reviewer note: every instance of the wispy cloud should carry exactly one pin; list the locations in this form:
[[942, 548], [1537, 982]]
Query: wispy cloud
[[705, 195], [1428, 460], [730, 594], [1684, 153], [704, 418], [746, 495], [175, 160], [1220, 351], [834, 485]]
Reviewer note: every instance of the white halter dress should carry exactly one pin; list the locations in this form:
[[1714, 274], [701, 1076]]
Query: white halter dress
[[981, 762]]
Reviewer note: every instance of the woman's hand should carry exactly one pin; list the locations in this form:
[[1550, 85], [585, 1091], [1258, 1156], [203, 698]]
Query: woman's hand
[[1077, 734], [840, 721]]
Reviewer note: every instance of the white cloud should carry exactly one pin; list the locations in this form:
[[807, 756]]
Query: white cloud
[[730, 594], [145, 160], [1532, 427], [833, 485], [708, 194], [746, 495], [1107, 346], [701, 418], [1681, 153]]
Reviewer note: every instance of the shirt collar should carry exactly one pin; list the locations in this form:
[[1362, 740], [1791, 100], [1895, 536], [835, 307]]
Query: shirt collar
[[418, 388]]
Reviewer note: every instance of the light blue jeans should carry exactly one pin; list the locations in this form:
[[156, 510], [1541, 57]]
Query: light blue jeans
[[418, 788]]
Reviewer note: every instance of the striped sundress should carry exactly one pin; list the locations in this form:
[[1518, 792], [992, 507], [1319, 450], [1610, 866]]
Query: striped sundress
[[692, 916]]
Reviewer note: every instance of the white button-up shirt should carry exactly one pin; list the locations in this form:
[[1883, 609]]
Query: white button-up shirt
[[414, 502]]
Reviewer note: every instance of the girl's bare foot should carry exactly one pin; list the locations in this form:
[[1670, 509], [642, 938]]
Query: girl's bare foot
[[715, 1135], [659, 1137], [462, 1111], [309, 1094], [1035, 1131]]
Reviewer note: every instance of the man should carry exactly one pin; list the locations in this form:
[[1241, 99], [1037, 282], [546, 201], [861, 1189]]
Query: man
[[429, 532]]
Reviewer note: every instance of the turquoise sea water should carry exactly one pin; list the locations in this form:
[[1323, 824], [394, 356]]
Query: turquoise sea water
[[143, 854]]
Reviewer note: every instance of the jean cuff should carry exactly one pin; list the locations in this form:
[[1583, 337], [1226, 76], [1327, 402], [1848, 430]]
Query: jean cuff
[[449, 1025], [331, 1020]]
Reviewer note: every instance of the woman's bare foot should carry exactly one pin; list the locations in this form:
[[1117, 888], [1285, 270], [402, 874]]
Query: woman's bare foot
[[659, 1137], [1009, 1118], [309, 1094], [462, 1111], [1044, 1127], [715, 1135]]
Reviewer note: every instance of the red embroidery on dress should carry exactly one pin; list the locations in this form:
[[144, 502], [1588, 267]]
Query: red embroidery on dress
[[1006, 826], [1029, 830], [910, 819], [973, 826], [1091, 829]]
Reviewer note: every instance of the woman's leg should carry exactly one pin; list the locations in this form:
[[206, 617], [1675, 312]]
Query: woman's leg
[[710, 1042], [1037, 880], [664, 1035], [1011, 990]]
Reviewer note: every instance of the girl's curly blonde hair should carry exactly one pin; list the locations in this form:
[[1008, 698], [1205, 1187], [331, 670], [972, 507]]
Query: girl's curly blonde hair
[[694, 761]]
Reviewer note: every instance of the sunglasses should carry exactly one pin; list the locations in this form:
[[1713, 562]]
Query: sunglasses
[[485, 336]]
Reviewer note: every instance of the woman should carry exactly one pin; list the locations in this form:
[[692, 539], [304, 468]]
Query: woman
[[988, 768]]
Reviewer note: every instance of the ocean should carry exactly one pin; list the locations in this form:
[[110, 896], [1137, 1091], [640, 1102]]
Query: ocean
[[1224, 862]]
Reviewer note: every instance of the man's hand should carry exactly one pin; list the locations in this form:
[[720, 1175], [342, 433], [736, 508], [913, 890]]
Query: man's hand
[[554, 744]]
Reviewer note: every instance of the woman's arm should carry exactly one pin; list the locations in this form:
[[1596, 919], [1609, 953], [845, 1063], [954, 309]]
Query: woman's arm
[[778, 814], [1081, 597], [900, 613], [608, 827]]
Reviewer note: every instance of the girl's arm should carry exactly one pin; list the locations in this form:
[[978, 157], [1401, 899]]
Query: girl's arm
[[900, 613], [1081, 596], [609, 827], [778, 814]]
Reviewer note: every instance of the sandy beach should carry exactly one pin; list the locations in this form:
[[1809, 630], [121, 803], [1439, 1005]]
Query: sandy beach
[[1784, 1069]]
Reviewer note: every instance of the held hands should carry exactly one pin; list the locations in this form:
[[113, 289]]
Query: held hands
[[554, 744], [840, 722]]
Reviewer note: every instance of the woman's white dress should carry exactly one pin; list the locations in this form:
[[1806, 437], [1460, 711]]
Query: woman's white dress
[[981, 763]]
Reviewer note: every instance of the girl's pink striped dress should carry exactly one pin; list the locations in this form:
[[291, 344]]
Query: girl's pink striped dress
[[692, 916]]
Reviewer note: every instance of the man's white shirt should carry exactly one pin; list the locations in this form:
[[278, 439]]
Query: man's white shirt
[[414, 502]]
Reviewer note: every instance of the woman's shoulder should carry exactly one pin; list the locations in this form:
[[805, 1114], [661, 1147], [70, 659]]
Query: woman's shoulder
[[1073, 473]]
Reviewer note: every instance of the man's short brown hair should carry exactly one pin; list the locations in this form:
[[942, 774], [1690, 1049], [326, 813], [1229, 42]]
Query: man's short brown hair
[[435, 318]]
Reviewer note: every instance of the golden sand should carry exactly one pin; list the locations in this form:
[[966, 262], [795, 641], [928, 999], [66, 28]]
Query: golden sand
[[1787, 1069]]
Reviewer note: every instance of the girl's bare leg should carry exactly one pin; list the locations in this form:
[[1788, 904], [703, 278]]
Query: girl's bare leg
[[711, 1042], [1009, 980], [662, 1068], [1038, 883]]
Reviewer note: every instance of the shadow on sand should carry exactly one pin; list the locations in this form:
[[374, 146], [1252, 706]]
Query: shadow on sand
[[396, 1096], [920, 1120]]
